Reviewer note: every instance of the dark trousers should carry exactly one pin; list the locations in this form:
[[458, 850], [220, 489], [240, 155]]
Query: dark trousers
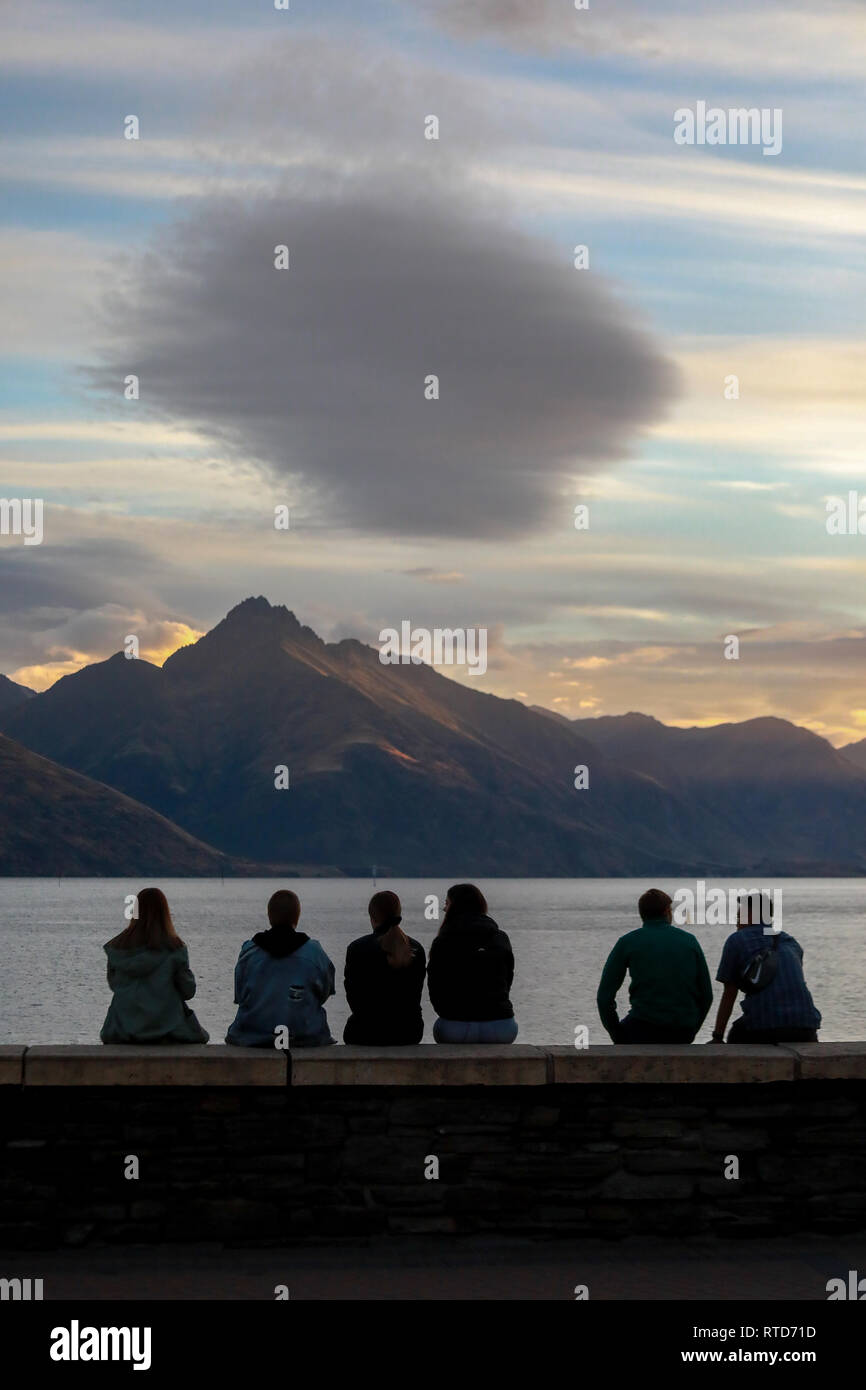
[[366, 1034], [741, 1033], [636, 1030]]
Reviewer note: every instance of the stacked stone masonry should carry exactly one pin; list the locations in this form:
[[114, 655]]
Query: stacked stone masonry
[[254, 1148]]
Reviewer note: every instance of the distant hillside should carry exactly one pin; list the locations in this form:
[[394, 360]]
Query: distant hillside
[[400, 767], [53, 821], [12, 695], [797, 802], [855, 753]]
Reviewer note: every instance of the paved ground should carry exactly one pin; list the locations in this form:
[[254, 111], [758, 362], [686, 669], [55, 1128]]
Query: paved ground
[[454, 1269]]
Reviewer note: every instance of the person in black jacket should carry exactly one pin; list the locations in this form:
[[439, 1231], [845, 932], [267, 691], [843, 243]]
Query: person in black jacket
[[384, 979], [470, 973]]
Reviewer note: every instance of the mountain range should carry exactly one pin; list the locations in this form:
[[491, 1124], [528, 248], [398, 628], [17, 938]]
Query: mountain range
[[173, 769]]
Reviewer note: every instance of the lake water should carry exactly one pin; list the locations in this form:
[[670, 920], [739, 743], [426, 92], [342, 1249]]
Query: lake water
[[54, 988]]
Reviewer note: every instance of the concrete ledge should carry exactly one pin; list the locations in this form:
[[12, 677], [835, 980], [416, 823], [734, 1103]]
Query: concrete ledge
[[715, 1063], [11, 1066], [831, 1061], [427, 1064], [190, 1065]]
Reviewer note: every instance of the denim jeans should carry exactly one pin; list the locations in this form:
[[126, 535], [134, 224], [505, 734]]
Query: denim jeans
[[494, 1030], [635, 1030], [741, 1033]]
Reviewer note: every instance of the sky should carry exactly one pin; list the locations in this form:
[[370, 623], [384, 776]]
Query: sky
[[696, 383]]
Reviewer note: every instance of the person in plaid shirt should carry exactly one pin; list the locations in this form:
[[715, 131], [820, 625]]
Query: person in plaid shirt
[[782, 1012]]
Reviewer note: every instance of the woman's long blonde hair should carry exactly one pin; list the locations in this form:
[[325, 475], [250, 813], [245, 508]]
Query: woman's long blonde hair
[[151, 926], [385, 910]]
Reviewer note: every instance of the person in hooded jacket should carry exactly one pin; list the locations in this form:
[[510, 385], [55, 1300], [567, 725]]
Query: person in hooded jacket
[[384, 978], [470, 972], [150, 979], [282, 980]]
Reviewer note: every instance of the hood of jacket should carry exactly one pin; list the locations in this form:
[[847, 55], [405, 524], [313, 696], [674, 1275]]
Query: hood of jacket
[[280, 942]]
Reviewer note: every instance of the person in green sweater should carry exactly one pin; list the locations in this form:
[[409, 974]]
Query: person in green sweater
[[670, 992]]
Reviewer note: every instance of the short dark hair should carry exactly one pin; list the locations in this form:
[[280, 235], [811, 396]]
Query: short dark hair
[[652, 904], [284, 908], [753, 908]]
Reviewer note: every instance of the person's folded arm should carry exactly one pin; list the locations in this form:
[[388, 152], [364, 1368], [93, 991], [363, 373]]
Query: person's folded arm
[[330, 981], [434, 975], [612, 977], [352, 997], [418, 968], [509, 965], [705, 987], [184, 980], [238, 982], [322, 983]]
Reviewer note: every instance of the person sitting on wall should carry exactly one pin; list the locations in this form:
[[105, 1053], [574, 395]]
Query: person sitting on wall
[[282, 980], [150, 979], [384, 978], [470, 972], [777, 1006], [670, 990]]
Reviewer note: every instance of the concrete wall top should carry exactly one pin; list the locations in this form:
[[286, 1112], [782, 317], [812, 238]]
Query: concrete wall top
[[831, 1061], [428, 1064], [696, 1064], [11, 1065], [195, 1064]]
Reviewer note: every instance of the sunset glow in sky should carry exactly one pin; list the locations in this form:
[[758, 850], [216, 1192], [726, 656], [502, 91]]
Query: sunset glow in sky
[[603, 386]]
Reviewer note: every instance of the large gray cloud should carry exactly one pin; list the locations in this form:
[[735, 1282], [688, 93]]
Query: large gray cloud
[[404, 264], [318, 372]]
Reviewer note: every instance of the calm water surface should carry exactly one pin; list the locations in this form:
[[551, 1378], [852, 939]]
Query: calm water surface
[[52, 932]]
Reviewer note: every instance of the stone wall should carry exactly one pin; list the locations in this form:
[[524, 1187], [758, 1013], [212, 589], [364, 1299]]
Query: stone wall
[[260, 1148]]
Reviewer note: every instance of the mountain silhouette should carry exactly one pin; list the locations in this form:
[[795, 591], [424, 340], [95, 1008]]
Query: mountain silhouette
[[12, 695], [855, 753], [400, 767], [796, 800]]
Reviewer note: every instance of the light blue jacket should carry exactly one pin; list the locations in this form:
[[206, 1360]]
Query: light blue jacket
[[282, 991]]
